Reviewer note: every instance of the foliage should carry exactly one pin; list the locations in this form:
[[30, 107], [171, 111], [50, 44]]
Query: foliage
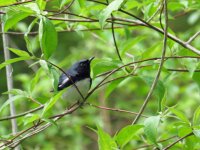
[[45, 36]]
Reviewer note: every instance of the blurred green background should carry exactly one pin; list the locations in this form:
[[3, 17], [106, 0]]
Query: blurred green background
[[135, 43]]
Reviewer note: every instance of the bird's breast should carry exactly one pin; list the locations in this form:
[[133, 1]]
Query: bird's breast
[[72, 94]]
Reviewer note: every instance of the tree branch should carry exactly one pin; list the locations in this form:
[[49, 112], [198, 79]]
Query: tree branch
[[22, 114], [180, 139], [115, 109], [9, 79], [160, 66], [193, 37]]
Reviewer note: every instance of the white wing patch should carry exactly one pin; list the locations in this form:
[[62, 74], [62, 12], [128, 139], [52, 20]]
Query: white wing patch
[[63, 82]]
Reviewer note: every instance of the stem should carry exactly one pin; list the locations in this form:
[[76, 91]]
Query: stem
[[9, 79], [193, 37], [160, 66], [115, 109], [169, 146], [22, 114]]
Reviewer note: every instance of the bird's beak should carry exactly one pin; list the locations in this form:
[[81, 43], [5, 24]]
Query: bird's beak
[[90, 59]]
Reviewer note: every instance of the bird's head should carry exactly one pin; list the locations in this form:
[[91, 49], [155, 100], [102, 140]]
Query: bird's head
[[82, 67]]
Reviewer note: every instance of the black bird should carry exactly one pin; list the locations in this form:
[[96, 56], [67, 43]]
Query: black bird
[[78, 73]]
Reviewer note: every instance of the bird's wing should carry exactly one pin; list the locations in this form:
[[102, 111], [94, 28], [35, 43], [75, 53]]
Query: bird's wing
[[64, 82]]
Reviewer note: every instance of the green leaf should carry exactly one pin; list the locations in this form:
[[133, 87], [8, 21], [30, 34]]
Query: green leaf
[[20, 53], [150, 128], [17, 92], [128, 44], [126, 134], [184, 130], [44, 65], [159, 90], [103, 65], [14, 15], [29, 118], [196, 133], [10, 61], [47, 37], [190, 64], [113, 85], [28, 42], [35, 80], [7, 2], [62, 3], [105, 142], [81, 3], [55, 77], [34, 8], [180, 115], [51, 121], [41, 4], [196, 118], [13, 98], [105, 13], [149, 10], [132, 4], [196, 78], [52, 101]]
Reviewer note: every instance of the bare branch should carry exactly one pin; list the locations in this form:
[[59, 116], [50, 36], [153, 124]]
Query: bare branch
[[67, 30], [113, 34], [160, 141], [115, 109], [180, 139], [22, 114], [193, 37], [160, 66], [115, 42], [9, 79]]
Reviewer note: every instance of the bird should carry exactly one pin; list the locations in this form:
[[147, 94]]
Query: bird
[[78, 74]]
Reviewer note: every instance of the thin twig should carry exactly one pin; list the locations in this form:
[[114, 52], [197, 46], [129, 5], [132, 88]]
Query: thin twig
[[160, 17], [151, 59], [22, 114], [67, 7], [183, 70], [160, 66], [72, 20], [17, 3], [67, 30], [155, 13], [193, 37], [115, 42], [110, 20], [121, 77], [180, 139], [114, 109], [160, 141], [113, 34]]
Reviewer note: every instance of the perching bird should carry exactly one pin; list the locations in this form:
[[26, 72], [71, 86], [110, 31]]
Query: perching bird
[[79, 73]]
